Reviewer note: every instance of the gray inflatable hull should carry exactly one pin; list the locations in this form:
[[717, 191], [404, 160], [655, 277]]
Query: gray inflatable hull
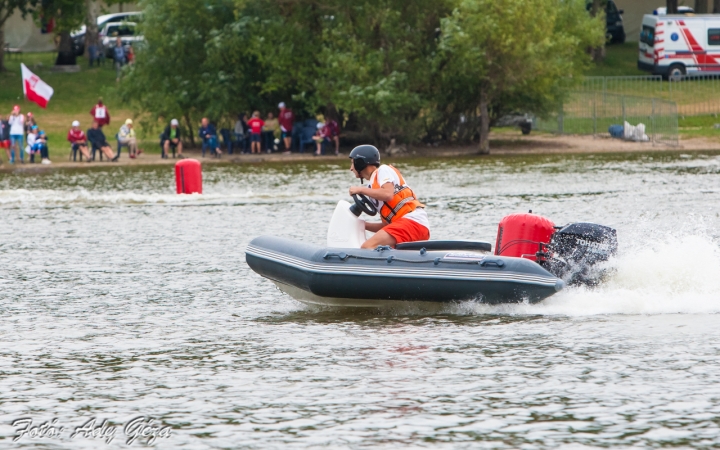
[[369, 278]]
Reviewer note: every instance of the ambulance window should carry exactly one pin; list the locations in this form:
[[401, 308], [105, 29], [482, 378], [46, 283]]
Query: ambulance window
[[714, 36], [647, 35]]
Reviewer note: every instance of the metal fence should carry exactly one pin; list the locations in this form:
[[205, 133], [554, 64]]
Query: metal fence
[[695, 95], [593, 113]]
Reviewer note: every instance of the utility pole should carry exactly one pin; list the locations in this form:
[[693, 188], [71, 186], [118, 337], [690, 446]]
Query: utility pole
[[672, 6]]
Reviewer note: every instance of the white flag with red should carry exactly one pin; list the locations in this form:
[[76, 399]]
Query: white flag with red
[[35, 89]]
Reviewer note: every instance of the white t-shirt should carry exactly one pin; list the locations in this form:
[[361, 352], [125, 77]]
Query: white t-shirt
[[385, 174], [100, 112], [17, 125]]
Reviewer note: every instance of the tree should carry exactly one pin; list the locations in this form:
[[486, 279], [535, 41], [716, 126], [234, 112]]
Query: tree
[[515, 50], [672, 6], [68, 15], [91, 27], [7, 8], [598, 9], [177, 73]]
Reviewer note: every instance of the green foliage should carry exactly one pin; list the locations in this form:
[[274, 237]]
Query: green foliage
[[388, 68], [8, 7], [69, 15], [522, 53], [176, 75]]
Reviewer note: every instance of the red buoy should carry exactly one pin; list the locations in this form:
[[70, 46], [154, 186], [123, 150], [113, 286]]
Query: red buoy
[[521, 235], [188, 176]]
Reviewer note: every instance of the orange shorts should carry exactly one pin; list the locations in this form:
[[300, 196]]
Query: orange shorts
[[406, 230]]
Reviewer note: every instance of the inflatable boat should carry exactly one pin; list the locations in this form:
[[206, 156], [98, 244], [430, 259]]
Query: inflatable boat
[[533, 260]]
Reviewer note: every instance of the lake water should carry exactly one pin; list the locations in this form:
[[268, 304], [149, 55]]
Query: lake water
[[121, 300]]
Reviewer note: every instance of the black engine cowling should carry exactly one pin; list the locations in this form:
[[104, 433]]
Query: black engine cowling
[[575, 251]]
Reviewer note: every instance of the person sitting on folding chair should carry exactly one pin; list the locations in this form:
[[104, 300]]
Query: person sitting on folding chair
[[171, 139], [98, 141], [78, 141], [208, 134]]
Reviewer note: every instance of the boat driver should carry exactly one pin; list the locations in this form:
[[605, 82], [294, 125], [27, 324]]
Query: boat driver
[[403, 217]]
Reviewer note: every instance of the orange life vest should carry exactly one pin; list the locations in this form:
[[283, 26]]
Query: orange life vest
[[403, 202]]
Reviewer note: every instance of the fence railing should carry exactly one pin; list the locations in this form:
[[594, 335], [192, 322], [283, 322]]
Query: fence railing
[[695, 95], [593, 113]]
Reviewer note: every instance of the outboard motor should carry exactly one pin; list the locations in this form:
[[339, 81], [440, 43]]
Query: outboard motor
[[576, 249], [571, 253]]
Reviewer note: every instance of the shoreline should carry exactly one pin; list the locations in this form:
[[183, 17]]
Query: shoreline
[[502, 144]]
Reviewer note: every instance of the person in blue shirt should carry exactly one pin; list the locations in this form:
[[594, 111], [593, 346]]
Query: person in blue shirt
[[208, 134], [119, 57]]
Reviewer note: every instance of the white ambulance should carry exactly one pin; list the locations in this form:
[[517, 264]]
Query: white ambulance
[[676, 45]]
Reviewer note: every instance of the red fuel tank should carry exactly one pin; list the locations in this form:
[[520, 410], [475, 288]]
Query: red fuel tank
[[188, 176], [520, 235]]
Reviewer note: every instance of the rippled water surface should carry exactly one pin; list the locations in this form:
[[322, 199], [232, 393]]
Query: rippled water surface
[[120, 300]]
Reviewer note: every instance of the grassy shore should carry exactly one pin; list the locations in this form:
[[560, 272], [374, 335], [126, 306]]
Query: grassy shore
[[76, 93], [620, 61]]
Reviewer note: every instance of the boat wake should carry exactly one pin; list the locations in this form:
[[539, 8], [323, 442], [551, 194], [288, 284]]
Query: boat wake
[[670, 275], [83, 197]]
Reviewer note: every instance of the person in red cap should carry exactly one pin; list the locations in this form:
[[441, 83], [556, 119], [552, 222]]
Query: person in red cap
[[100, 113]]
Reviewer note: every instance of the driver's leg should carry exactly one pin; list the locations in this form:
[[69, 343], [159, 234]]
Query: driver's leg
[[382, 237]]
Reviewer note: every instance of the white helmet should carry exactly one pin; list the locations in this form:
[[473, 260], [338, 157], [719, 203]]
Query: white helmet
[[75, 123]]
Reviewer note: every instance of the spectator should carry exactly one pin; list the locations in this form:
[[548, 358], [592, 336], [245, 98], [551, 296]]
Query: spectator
[[241, 130], [130, 54], [29, 122], [320, 137], [332, 132], [286, 119], [171, 138], [30, 140], [256, 125], [5, 136], [93, 55], [272, 125], [208, 134], [78, 141], [17, 131], [40, 146], [126, 136], [100, 113], [119, 57], [97, 139]]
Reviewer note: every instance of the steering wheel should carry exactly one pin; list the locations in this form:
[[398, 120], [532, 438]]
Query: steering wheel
[[365, 204]]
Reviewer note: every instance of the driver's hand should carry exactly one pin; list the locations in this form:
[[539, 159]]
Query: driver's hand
[[356, 190]]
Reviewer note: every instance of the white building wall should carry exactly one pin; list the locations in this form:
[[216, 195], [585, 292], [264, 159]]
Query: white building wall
[[25, 34]]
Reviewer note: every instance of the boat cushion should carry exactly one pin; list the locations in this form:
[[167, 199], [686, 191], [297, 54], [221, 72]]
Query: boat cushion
[[446, 245]]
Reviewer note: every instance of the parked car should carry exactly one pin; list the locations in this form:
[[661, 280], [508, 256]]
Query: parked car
[[78, 37], [681, 10], [123, 30], [614, 28], [676, 45]]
